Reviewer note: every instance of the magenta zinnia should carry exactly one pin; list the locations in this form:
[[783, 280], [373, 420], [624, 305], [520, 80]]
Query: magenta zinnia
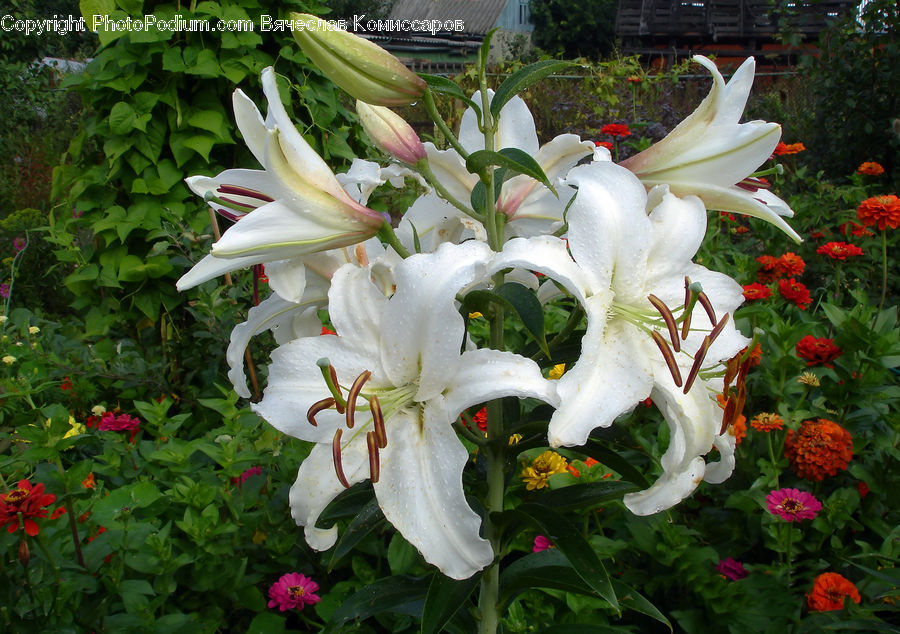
[[793, 505], [293, 590]]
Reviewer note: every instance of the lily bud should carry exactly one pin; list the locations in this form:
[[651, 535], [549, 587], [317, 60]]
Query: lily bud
[[391, 133], [363, 69]]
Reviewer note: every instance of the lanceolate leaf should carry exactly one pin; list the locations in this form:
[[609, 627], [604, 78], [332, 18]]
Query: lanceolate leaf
[[446, 86], [368, 519], [571, 543], [616, 462], [529, 309], [522, 79], [585, 495], [445, 597], [392, 594], [514, 159]]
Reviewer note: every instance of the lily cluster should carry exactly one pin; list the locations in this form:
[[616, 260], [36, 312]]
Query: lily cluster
[[381, 397]]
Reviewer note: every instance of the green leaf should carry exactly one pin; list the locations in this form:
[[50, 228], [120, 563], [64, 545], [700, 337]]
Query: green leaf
[[631, 599], [513, 159], [835, 315], [267, 623], [392, 594], [444, 599], [526, 304], [571, 543], [523, 78], [122, 118], [447, 86], [617, 463], [485, 49], [366, 521], [545, 569], [585, 495]]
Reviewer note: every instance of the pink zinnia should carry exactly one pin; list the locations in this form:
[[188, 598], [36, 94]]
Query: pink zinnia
[[19, 244], [123, 422], [293, 590], [731, 569], [793, 505], [541, 542], [252, 471]]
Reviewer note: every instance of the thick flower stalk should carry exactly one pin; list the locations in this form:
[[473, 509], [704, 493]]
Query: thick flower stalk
[[712, 156], [629, 269], [394, 382], [294, 206]]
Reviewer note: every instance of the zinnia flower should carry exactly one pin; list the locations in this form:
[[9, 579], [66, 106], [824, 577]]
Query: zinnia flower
[[537, 474], [616, 129], [793, 505], [883, 211], [828, 592], [756, 291], [854, 229], [252, 471], [809, 379], [19, 244], [768, 268], [26, 502], [767, 422], [787, 148], [819, 448], [870, 168], [796, 292], [839, 250], [791, 264], [293, 590], [818, 351], [731, 569], [541, 542]]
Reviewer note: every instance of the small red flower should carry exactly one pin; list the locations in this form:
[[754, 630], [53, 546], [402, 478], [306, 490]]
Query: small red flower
[[854, 229], [756, 291], [66, 384], [26, 502], [839, 250], [828, 592], [787, 148], [818, 351], [791, 265], [616, 129], [605, 144], [863, 489], [768, 269], [796, 292], [870, 168], [327, 331], [60, 510]]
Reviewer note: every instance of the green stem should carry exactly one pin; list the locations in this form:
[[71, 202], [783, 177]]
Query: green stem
[[790, 543], [432, 180], [431, 107], [837, 283], [386, 234], [772, 458], [70, 512], [884, 271]]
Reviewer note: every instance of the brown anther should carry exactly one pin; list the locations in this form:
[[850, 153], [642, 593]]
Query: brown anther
[[237, 202], [337, 386], [378, 422], [686, 326], [717, 330], [707, 306], [688, 294], [669, 318], [336, 455], [361, 256], [353, 394], [374, 459], [243, 191], [728, 417], [315, 408], [698, 361], [668, 356]]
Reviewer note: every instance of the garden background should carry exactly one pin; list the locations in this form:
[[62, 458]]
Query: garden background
[[169, 509]]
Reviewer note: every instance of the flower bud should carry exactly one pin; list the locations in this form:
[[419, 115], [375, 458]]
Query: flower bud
[[363, 69], [24, 553], [391, 133]]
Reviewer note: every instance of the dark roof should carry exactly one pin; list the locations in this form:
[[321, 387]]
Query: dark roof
[[479, 16]]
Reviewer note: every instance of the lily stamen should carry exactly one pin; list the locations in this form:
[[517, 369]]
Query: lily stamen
[[353, 394], [668, 357], [315, 408], [707, 306], [243, 191], [717, 329], [374, 459], [336, 456], [698, 361], [669, 318], [378, 422]]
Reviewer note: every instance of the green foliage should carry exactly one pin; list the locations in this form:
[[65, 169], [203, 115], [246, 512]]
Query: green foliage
[[563, 28]]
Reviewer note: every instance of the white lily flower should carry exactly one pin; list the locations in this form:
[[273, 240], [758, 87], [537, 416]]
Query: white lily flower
[[419, 382], [298, 205], [530, 207], [626, 268], [711, 155]]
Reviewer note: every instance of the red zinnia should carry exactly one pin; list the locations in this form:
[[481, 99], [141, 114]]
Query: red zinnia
[[881, 210], [818, 350], [787, 148], [769, 270], [756, 291], [796, 292], [839, 250], [820, 448], [828, 592], [791, 264], [855, 229], [27, 501], [616, 129], [870, 168]]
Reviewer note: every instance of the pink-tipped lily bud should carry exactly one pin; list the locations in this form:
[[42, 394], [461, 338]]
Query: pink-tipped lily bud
[[391, 133], [363, 69]]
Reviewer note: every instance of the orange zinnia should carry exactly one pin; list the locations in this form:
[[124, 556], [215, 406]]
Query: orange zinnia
[[870, 168], [883, 211], [767, 422], [788, 148], [829, 590], [819, 448]]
